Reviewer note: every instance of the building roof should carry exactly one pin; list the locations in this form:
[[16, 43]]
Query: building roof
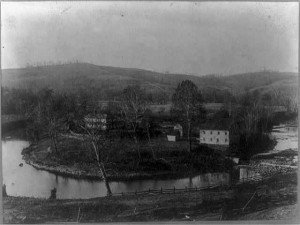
[[96, 116], [177, 126], [167, 124], [223, 124]]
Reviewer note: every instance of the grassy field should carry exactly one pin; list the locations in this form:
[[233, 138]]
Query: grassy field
[[278, 201], [121, 158]]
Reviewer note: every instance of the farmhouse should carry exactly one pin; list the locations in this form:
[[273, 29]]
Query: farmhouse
[[174, 132], [173, 135], [214, 137], [217, 132], [96, 121]]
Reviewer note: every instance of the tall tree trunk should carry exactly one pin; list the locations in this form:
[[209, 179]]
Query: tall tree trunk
[[189, 136], [101, 168], [149, 139], [137, 149], [104, 176], [54, 142]]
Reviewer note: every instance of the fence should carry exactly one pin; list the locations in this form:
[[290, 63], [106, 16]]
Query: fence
[[249, 180], [167, 190]]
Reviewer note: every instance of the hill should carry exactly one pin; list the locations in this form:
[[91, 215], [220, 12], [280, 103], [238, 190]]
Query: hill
[[109, 81]]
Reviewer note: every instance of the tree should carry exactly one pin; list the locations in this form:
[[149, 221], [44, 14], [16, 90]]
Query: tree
[[254, 116], [46, 115], [98, 139], [187, 105], [148, 125], [52, 112], [133, 107]]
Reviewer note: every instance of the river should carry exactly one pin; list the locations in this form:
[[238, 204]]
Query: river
[[30, 182], [286, 137]]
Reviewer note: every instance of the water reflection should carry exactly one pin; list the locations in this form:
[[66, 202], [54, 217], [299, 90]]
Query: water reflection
[[27, 181]]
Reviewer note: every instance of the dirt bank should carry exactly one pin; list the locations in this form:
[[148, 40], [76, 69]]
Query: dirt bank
[[218, 204], [93, 174]]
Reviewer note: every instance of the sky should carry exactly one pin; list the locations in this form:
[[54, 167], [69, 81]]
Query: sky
[[177, 37]]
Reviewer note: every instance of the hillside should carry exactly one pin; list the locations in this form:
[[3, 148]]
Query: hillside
[[111, 80]]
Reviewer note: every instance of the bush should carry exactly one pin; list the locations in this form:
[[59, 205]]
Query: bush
[[257, 143]]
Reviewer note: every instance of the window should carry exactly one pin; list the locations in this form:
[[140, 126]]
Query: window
[[203, 132], [211, 139], [225, 139], [218, 132], [211, 132], [225, 133], [217, 139], [203, 139]]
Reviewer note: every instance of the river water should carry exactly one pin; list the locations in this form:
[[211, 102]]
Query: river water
[[286, 137], [30, 182]]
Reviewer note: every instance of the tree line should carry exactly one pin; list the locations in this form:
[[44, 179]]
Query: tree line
[[53, 113]]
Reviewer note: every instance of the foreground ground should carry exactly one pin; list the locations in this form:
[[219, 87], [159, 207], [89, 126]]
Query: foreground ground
[[275, 198]]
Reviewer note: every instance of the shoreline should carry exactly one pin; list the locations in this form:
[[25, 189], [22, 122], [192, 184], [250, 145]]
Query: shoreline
[[94, 175], [69, 173], [220, 204]]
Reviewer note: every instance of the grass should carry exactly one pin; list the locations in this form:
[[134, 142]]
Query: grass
[[122, 160]]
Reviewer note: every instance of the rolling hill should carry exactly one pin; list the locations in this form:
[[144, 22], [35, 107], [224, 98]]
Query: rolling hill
[[72, 77]]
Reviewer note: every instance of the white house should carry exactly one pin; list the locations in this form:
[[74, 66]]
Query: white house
[[214, 137], [171, 137], [96, 121]]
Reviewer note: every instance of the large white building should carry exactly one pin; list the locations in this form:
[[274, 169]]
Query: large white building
[[97, 121], [214, 137]]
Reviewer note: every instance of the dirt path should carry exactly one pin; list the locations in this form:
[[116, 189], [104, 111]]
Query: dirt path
[[218, 204]]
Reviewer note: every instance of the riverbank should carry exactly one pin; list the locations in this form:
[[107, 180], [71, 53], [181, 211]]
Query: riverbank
[[218, 204], [284, 157], [74, 159], [74, 172]]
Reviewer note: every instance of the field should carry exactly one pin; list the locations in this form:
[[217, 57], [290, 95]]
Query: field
[[75, 158]]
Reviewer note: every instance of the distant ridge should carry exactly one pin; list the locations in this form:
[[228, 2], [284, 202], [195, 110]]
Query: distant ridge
[[74, 76]]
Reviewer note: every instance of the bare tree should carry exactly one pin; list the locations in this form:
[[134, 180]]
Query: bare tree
[[52, 114], [187, 105], [253, 114], [133, 107], [96, 134], [147, 125], [287, 99]]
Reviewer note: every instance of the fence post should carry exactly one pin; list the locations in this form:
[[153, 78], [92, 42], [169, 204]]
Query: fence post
[[4, 194], [53, 194]]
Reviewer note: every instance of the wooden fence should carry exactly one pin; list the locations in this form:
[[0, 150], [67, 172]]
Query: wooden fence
[[249, 180], [166, 191]]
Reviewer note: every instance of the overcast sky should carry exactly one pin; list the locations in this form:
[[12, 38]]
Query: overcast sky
[[181, 37]]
